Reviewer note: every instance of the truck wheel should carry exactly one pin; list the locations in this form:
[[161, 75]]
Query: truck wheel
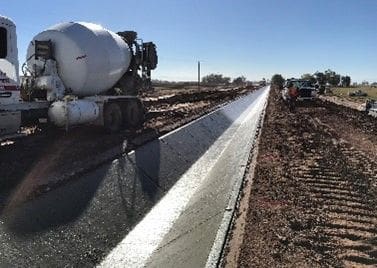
[[112, 117], [134, 114]]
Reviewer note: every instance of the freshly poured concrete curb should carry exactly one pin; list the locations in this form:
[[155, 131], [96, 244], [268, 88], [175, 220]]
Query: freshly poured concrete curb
[[163, 205], [187, 227]]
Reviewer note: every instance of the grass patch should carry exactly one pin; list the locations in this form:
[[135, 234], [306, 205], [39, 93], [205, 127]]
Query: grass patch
[[343, 93]]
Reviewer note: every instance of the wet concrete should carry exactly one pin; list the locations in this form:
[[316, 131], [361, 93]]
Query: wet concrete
[[167, 187]]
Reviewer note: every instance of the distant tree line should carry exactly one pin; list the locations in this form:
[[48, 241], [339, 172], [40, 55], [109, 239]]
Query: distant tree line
[[219, 79], [327, 77], [216, 79], [173, 84], [166, 82], [208, 80], [277, 80]]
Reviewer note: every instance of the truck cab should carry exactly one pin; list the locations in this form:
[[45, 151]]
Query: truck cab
[[306, 89], [10, 120], [9, 76]]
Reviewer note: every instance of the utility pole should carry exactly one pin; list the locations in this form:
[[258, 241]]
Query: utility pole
[[198, 75]]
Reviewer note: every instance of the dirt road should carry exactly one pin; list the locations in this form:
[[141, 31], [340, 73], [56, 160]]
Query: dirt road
[[313, 199]]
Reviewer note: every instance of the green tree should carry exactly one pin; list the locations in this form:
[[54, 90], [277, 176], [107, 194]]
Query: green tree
[[277, 80], [345, 81], [239, 80], [309, 77], [335, 80], [332, 77], [215, 79], [320, 78]]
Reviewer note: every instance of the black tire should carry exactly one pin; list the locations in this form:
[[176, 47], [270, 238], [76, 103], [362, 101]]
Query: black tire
[[112, 117], [134, 114]]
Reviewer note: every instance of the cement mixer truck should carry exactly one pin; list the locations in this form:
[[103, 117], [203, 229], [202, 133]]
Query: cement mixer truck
[[75, 73]]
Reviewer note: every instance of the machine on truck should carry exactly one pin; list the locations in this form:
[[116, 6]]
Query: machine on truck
[[75, 73]]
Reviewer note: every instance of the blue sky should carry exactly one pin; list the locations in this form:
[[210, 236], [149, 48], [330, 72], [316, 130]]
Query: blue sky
[[251, 38]]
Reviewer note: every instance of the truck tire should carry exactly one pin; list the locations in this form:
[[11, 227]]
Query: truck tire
[[112, 117], [134, 114]]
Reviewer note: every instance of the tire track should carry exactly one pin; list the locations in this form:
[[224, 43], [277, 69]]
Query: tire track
[[341, 181]]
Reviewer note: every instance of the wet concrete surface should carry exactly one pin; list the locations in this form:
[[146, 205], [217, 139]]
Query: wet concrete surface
[[48, 157], [82, 222]]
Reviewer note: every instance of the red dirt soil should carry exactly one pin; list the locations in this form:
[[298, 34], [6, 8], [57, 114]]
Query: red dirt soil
[[312, 201]]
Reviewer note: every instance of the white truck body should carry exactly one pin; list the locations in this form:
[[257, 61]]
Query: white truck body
[[9, 52], [71, 82], [10, 121], [91, 59]]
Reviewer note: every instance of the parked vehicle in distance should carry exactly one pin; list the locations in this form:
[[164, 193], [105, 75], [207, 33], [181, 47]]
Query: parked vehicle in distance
[[306, 90], [370, 107], [357, 93]]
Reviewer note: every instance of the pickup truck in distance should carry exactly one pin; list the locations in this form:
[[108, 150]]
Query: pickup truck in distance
[[306, 89]]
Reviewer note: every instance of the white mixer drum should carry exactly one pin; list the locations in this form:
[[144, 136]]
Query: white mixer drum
[[90, 59]]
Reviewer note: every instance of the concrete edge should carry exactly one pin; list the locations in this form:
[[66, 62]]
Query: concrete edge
[[217, 251], [113, 153], [139, 256]]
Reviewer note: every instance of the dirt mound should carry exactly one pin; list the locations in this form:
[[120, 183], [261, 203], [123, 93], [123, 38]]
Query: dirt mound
[[314, 195]]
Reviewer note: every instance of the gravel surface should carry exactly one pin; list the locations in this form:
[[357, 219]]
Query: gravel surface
[[313, 198]]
